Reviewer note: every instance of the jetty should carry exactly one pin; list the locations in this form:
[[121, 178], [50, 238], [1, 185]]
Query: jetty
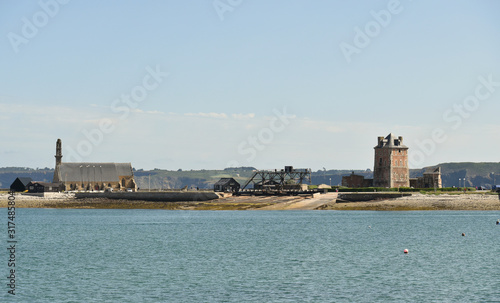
[[169, 196]]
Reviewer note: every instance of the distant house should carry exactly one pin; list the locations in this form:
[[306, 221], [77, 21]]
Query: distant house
[[354, 181], [20, 184], [268, 184], [227, 185], [296, 187], [44, 187], [430, 179]]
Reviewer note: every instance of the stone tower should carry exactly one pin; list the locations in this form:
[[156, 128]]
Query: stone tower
[[391, 163], [58, 152], [58, 160]]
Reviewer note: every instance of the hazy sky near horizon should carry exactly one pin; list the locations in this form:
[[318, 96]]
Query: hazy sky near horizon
[[210, 84]]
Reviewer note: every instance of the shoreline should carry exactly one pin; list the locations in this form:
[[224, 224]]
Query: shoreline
[[421, 202], [416, 202]]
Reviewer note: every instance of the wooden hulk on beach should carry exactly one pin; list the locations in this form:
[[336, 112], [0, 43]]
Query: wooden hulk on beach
[[283, 181]]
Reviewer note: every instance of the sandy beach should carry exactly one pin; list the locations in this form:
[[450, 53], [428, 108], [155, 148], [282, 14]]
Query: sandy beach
[[328, 201]]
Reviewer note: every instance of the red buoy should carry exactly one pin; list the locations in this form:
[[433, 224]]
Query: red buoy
[[405, 251]]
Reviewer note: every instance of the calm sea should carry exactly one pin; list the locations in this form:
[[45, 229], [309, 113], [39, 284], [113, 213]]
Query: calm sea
[[66, 255]]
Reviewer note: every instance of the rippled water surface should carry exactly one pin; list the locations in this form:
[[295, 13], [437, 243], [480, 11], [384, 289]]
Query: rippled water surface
[[69, 255]]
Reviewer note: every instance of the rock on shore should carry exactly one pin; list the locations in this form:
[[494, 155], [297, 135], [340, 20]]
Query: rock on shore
[[426, 202]]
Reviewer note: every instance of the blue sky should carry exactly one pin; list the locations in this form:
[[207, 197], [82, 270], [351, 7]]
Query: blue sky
[[248, 83]]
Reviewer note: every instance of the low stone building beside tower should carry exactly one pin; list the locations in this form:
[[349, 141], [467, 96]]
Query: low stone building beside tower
[[430, 179], [92, 175]]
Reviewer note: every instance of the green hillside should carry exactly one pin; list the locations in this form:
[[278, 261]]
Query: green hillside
[[475, 174], [9, 174], [474, 169], [168, 179]]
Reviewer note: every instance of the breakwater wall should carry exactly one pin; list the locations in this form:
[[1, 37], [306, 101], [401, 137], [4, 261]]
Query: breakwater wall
[[153, 196], [362, 197]]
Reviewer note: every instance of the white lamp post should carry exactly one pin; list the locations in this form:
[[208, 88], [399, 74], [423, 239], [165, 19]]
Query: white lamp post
[[93, 186], [88, 176], [81, 175]]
